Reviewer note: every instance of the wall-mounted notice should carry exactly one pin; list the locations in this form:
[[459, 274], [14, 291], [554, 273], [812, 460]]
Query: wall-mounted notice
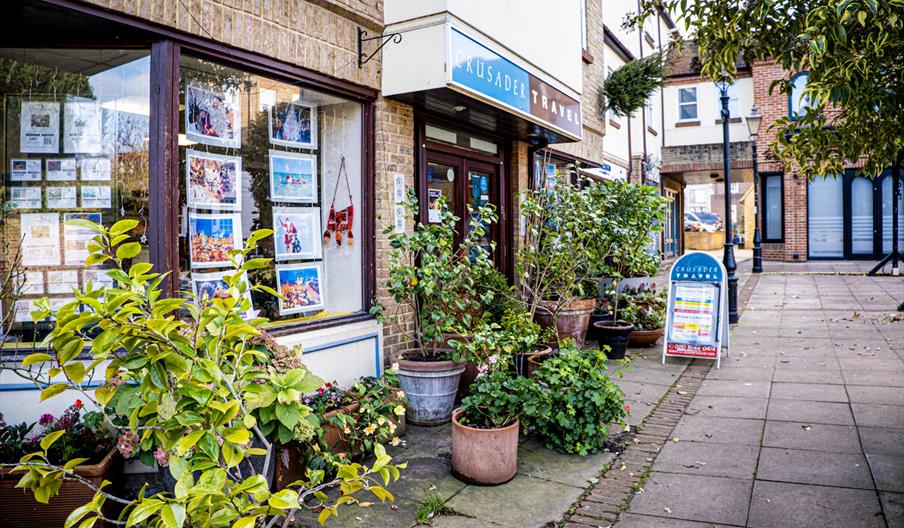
[[696, 321], [39, 127]]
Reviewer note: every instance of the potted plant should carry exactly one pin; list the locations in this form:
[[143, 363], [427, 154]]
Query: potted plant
[[576, 403], [199, 399], [525, 339], [433, 279], [636, 213], [646, 311], [564, 245], [73, 435], [485, 428]]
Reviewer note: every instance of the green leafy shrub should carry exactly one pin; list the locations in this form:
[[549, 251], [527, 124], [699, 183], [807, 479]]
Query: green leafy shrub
[[498, 397], [576, 403]]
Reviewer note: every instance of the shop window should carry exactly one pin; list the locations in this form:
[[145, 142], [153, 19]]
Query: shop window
[[687, 104], [773, 228], [798, 101], [74, 144], [259, 153]]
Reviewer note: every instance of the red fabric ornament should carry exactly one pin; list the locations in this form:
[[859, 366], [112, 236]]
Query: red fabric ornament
[[341, 221]]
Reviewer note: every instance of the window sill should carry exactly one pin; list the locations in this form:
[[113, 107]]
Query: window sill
[[586, 56], [731, 120], [291, 328], [614, 124], [682, 124]]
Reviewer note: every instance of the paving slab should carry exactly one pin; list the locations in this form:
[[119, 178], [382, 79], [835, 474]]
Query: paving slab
[[893, 505], [728, 406], [817, 437], [719, 430], [699, 458], [833, 377], [632, 520], [741, 374], [814, 467], [639, 412], [884, 378], [650, 376], [871, 363], [741, 388], [460, 521], [871, 414], [716, 500], [809, 392], [524, 502], [882, 441], [779, 504], [807, 363], [810, 412], [883, 395], [536, 461], [888, 472], [642, 392]]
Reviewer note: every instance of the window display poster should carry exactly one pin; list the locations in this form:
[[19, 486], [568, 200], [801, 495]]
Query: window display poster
[[98, 278], [434, 207], [213, 118], [33, 283], [293, 177], [25, 170], [296, 232], [25, 197], [96, 169], [40, 234], [209, 286], [301, 288], [81, 127], [62, 197], [76, 238], [213, 182], [96, 197], [212, 237], [62, 281], [39, 127], [23, 310], [293, 124], [62, 169]]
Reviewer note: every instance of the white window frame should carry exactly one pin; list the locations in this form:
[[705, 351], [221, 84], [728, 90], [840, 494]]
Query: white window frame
[[798, 101], [693, 103]]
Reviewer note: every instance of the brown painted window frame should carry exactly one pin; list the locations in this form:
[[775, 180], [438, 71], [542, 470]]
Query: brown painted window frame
[[167, 46]]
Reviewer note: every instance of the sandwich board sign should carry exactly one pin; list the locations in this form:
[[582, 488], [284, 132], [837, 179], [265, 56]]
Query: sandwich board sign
[[696, 322]]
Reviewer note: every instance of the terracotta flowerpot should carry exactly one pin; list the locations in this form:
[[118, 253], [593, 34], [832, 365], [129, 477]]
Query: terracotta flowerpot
[[534, 362], [335, 439], [19, 508], [522, 361], [570, 322], [484, 456], [615, 336], [644, 338], [431, 387]]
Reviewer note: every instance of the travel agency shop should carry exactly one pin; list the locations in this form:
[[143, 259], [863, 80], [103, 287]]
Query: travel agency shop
[[206, 124]]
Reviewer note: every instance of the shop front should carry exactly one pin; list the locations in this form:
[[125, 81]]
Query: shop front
[[485, 106], [108, 116]]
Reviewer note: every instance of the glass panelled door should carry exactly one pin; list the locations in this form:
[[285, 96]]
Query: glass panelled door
[[672, 224], [825, 218], [886, 199], [481, 183], [862, 225]]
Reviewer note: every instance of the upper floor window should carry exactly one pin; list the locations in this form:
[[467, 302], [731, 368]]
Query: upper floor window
[[687, 104], [798, 101], [734, 101]]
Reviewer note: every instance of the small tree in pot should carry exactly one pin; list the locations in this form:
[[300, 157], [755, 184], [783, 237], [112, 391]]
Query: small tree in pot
[[435, 280], [565, 243]]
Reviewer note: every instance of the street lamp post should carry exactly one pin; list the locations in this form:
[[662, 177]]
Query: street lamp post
[[728, 258], [754, 120]]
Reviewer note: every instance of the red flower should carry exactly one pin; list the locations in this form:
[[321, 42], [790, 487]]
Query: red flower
[[328, 385], [79, 404], [628, 409]]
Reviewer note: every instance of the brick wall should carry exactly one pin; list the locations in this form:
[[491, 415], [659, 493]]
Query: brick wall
[[705, 157], [394, 152], [773, 106], [318, 34]]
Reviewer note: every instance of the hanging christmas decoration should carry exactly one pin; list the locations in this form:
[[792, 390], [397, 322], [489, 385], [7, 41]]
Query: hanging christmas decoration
[[341, 221]]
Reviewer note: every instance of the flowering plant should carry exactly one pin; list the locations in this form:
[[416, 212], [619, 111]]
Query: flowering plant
[[498, 396], [85, 436], [199, 394]]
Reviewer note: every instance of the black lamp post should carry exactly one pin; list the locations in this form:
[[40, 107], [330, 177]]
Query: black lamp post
[[754, 120], [728, 258]]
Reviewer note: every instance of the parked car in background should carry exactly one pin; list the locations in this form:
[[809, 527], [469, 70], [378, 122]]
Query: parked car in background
[[692, 222], [711, 221]]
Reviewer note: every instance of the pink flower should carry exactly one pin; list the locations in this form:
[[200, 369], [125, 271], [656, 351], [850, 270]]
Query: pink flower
[[128, 443], [161, 456], [628, 409], [45, 419], [482, 369]]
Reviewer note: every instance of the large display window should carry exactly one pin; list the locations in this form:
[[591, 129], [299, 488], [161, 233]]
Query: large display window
[[74, 144], [201, 149], [256, 152]]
